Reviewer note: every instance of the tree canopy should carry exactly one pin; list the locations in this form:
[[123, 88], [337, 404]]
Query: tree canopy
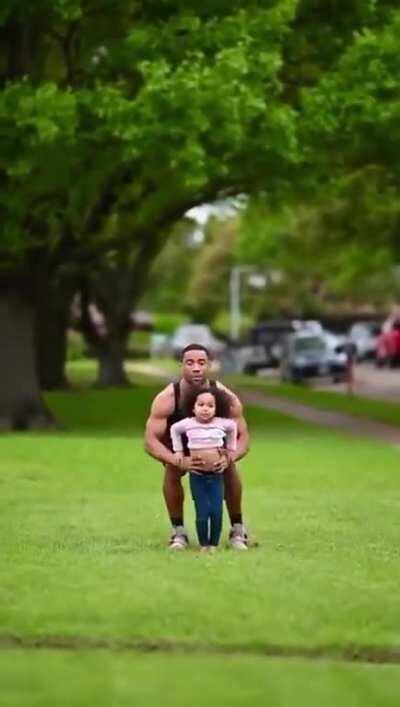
[[116, 118]]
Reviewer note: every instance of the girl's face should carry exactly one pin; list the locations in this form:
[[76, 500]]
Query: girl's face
[[204, 407]]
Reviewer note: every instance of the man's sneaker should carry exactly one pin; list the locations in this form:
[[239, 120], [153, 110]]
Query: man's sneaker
[[179, 540], [238, 537]]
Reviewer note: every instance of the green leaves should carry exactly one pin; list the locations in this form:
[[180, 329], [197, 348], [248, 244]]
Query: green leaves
[[358, 105]]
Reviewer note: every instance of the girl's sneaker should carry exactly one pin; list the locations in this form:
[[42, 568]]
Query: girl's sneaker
[[204, 548]]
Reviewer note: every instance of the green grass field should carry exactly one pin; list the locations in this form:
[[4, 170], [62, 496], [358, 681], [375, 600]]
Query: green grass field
[[380, 410], [84, 566]]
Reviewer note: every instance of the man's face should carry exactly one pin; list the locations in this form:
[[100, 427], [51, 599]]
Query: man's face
[[195, 367]]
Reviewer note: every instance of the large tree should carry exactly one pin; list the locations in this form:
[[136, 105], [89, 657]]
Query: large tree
[[335, 236], [114, 122], [116, 118], [48, 178]]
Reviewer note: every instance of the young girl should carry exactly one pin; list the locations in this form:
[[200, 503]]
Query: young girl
[[207, 429]]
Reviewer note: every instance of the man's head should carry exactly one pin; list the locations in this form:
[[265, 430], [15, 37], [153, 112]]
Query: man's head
[[195, 364]]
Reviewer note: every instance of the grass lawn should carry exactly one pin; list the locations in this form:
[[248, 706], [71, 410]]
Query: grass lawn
[[360, 406], [83, 556], [103, 679], [380, 410]]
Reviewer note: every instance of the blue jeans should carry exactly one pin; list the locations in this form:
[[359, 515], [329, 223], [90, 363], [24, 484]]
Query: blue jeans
[[208, 495]]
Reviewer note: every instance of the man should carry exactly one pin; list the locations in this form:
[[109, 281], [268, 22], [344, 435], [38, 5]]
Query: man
[[167, 409]]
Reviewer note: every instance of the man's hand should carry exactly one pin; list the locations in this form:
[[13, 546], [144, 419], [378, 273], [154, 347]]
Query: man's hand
[[193, 462], [179, 457], [223, 462]]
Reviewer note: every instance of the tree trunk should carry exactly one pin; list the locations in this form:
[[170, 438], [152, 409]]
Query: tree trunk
[[111, 370], [106, 330], [21, 404], [51, 354], [52, 318]]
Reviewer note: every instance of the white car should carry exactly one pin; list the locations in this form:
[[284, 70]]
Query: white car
[[195, 334], [307, 355], [364, 335]]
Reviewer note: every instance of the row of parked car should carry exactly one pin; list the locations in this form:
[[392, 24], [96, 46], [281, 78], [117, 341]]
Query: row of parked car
[[304, 349], [374, 340], [300, 349]]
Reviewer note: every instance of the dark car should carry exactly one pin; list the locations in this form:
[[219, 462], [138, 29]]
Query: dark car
[[307, 355], [268, 338]]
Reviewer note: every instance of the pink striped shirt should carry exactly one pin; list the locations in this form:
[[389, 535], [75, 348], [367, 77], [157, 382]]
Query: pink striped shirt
[[204, 435]]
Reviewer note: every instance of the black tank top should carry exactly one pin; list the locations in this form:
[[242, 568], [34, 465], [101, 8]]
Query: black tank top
[[179, 414]]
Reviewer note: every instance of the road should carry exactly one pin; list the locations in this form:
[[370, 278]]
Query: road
[[371, 382]]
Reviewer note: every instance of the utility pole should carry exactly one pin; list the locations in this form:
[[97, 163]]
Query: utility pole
[[234, 303], [235, 294]]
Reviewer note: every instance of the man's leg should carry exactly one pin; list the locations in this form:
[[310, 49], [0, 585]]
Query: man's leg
[[174, 497], [233, 494], [233, 500]]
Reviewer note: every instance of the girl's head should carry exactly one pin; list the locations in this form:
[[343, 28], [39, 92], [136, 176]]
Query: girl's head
[[206, 403]]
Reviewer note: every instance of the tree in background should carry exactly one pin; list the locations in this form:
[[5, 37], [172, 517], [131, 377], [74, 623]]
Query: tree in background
[[173, 269], [335, 236], [50, 178], [115, 121], [207, 116], [326, 254], [207, 293], [353, 116]]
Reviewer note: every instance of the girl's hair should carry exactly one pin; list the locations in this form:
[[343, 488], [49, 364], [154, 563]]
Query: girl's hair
[[222, 401]]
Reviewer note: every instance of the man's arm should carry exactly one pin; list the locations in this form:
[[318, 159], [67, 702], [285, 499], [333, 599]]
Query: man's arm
[[243, 441], [236, 410], [156, 428]]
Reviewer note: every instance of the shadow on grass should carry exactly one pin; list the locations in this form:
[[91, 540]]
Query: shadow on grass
[[347, 653]]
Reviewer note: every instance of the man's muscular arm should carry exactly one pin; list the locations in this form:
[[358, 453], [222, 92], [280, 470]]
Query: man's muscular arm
[[156, 428], [236, 411], [242, 445]]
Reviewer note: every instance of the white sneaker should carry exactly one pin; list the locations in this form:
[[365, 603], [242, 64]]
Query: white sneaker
[[179, 540], [238, 537]]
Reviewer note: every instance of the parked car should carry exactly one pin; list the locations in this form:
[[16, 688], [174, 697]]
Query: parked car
[[242, 359], [195, 334], [364, 337], [335, 343], [307, 355], [388, 346], [268, 338]]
